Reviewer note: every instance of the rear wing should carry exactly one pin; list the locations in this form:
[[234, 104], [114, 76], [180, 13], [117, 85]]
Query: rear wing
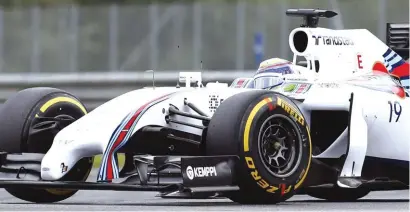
[[397, 38]]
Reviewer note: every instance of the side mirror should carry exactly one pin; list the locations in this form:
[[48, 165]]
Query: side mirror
[[190, 77]]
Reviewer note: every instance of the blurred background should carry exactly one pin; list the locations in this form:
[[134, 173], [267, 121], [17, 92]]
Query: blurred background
[[64, 43]]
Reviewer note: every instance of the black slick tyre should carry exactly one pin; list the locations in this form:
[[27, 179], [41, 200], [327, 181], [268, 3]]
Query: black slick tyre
[[269, 134], [21, 112]]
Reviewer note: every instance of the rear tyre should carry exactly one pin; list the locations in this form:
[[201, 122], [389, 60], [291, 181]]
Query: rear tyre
[[270, 136], [21, 112], [338, 194]]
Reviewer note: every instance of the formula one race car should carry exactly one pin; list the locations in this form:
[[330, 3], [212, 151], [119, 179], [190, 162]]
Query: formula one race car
[[342, 136]]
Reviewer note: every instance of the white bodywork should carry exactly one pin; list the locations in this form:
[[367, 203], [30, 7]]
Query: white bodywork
[[242, 83], [375, 133]]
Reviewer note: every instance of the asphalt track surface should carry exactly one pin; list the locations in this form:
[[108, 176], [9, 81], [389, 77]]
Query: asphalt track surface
[[393, 201]]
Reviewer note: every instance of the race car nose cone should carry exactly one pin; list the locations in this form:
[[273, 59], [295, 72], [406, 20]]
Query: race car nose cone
[[48, 173], [51, 169]]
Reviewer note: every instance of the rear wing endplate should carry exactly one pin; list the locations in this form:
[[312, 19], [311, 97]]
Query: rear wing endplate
[[397, 38]]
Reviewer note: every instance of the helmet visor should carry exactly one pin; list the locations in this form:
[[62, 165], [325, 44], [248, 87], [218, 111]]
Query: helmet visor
[[263, 82]]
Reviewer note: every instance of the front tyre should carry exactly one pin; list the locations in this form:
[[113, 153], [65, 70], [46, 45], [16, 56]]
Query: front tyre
[[269, 134], [23, 113]]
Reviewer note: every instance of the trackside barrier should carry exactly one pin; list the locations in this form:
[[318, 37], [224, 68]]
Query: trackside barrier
[[95, 88]]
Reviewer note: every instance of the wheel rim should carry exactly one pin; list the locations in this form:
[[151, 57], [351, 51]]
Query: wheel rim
[[279, 145]]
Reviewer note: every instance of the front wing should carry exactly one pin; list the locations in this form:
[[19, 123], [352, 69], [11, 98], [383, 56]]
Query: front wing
[[191, 177], [170, 175]]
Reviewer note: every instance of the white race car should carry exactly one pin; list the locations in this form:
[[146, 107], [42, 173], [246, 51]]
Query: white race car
[[341, 136]]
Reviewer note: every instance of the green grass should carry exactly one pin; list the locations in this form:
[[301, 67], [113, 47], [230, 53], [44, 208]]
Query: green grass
[[97, 160]]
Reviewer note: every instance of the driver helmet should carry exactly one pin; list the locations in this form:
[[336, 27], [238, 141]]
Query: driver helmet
[[270, 73]]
